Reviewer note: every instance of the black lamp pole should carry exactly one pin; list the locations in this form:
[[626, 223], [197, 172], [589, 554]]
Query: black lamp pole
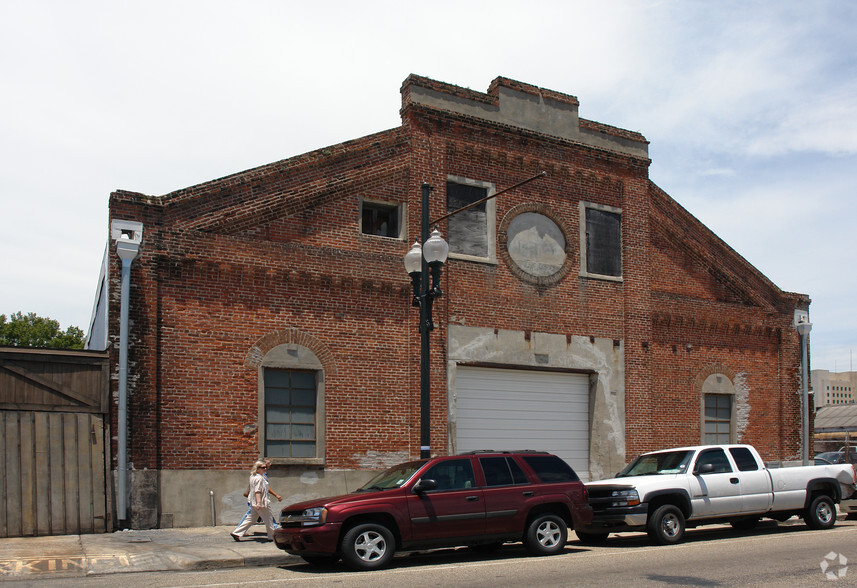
[[423, 263], [426, 326]]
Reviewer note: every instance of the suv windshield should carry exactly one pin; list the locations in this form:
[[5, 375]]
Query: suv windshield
[[668, 462], [393, 477]]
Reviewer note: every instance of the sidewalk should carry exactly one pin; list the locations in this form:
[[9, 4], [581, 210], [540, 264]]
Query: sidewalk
[[199, 548]]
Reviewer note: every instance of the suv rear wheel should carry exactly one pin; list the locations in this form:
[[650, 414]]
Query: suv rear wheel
[[546, 535], [368, 546]]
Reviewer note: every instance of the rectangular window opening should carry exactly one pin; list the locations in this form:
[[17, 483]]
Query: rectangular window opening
[[380, 219], [601, 241], [290, 413], [718, 419], [471, 232]]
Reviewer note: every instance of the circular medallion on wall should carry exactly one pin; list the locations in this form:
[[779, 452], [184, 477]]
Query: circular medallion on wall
[[533, 244]]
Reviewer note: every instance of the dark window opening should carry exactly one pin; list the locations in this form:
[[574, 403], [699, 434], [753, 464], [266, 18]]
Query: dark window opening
[[550, 468], [290, 411], [603, 242], [502, 471], [379, 219], [716, 458], [468, 230], [744, 459], [456, 474], [718, 419]]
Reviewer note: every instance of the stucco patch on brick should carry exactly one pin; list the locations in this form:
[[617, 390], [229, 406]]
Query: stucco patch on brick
[[379, 459], [742, 404]]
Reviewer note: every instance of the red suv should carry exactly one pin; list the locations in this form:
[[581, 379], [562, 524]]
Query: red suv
[[480, 499]]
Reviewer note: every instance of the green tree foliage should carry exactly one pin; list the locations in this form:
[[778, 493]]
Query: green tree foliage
[[31, 330]]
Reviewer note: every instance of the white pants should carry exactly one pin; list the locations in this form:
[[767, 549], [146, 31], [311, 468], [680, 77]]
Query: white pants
[[248, 521]]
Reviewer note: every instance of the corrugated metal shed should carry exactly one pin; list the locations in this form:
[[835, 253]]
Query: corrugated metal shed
[[836, 419]]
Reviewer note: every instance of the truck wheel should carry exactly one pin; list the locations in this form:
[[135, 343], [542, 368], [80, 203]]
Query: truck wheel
[[591, 538], [821, 513], [368, 546], [546, 535], [665, 525]]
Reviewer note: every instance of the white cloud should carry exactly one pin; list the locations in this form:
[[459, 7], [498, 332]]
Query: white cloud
[[749, 108]]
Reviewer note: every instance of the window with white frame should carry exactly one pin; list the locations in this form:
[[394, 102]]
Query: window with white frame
[[600, 241], [471, 232]]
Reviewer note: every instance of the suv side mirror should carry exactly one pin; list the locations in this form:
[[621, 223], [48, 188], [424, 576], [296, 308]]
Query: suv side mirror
[[424, 485], [705, 468]]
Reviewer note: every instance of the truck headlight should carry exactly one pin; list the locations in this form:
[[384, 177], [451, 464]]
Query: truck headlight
[[625, 498]]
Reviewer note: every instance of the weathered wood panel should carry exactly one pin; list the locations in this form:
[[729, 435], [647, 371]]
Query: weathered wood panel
[[53, 474], [43, 474], [53, 380], [53, 406]]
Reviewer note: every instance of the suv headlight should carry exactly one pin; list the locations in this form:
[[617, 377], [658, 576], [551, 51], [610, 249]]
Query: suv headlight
[[315, 515], [310, 516], [625, 498]]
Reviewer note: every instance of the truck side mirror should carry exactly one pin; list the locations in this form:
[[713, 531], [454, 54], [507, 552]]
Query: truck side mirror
[[424, 485], [705, 468]]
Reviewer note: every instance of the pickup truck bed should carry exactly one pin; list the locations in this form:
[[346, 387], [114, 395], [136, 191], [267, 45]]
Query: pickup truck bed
[[664, 492]]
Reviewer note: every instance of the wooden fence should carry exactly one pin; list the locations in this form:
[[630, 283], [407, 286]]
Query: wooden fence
[[53, 433]]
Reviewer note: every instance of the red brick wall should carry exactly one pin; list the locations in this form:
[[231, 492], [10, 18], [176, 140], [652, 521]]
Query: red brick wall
[[275, 253]]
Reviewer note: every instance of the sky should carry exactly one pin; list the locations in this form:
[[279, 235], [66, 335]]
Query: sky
[[750, 108]]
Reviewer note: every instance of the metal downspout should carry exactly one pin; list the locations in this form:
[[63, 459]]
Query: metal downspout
[[127, 252]]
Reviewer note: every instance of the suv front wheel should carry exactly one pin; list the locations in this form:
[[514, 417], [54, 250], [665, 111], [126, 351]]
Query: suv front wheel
[[368, 546], [546, 535]]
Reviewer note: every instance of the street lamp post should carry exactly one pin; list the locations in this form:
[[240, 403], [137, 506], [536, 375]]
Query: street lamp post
[[803, 328], [421, 261]]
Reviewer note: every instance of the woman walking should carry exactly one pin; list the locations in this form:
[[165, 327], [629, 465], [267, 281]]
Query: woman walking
[[270, 491], [260, 504]]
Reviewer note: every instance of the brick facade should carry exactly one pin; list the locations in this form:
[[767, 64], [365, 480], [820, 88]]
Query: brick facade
[[235, 267]]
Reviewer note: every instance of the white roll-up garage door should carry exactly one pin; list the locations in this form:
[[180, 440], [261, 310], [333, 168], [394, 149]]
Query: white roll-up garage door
[[507, 409]]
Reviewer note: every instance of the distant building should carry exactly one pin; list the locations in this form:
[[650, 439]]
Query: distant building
[[833, 388]]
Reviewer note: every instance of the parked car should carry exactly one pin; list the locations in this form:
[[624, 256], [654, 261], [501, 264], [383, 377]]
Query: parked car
[[664, 492], [832, 456], [479, 499]]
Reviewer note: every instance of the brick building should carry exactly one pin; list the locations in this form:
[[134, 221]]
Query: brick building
[[585, 312]]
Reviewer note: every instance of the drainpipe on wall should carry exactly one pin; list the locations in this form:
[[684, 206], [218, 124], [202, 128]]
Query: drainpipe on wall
[[803, 326], [128, 236]]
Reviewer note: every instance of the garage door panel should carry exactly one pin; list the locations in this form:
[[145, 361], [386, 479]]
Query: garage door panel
[[566, 427], [535, 403], [516, 409]]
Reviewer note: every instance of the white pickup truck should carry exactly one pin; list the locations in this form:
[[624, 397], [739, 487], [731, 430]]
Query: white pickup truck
[[664, 492]]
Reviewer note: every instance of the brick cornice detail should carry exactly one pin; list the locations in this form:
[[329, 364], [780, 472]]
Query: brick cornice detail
[[681, 325]]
